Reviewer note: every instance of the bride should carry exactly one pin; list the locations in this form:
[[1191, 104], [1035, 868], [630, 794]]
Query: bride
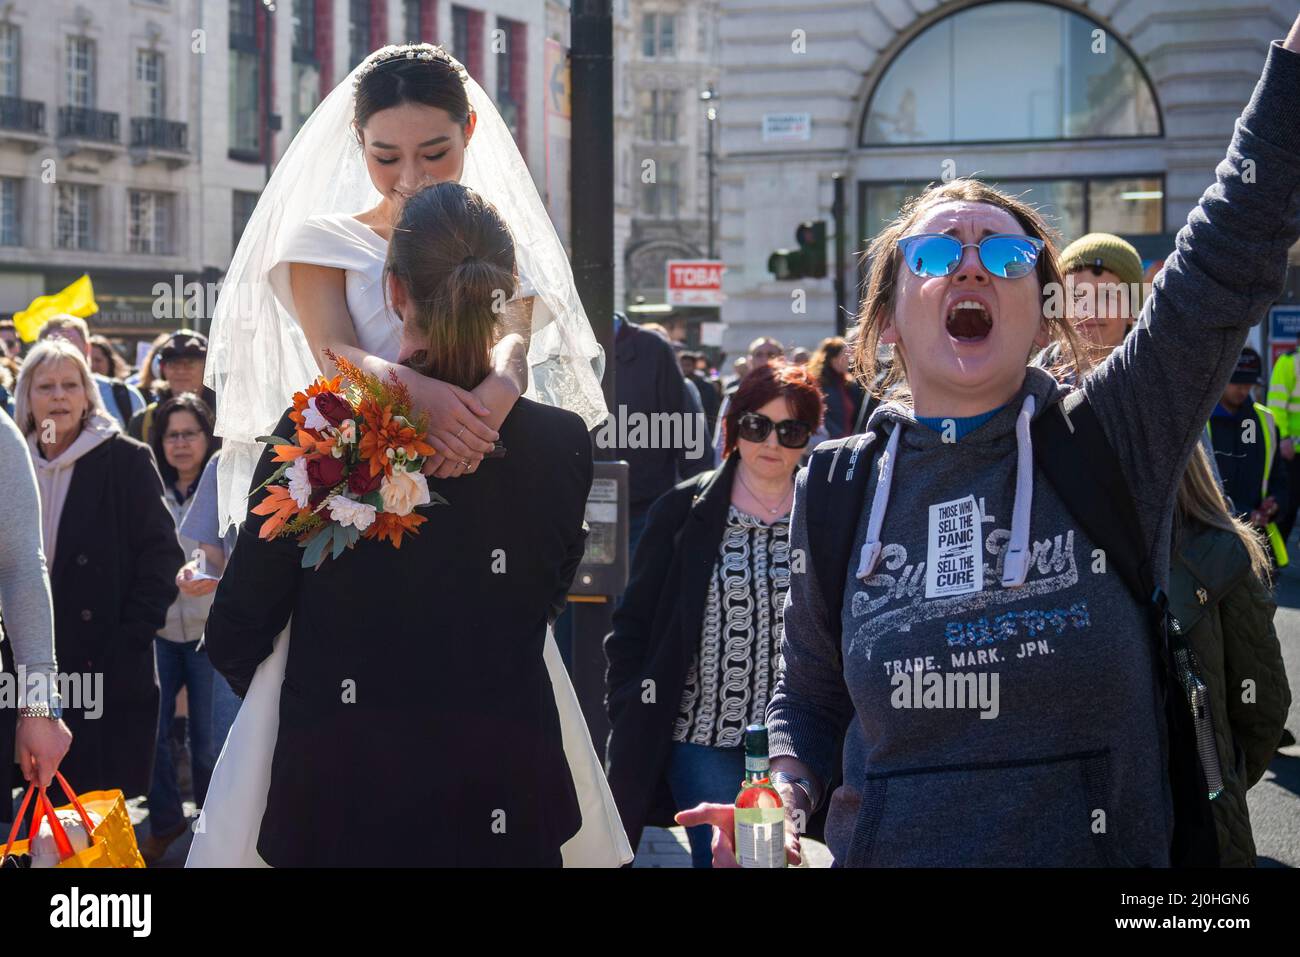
[[307, 277]]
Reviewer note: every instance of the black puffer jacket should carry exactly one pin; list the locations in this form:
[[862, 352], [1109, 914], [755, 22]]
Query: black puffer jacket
[[1226, 613]]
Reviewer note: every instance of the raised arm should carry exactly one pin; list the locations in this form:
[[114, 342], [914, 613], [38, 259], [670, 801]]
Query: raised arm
[[463, 424], [1154, 394]]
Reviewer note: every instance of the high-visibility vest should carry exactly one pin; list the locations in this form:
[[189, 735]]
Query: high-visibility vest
[[1268, 425], [1284, 395], [1267, 420]]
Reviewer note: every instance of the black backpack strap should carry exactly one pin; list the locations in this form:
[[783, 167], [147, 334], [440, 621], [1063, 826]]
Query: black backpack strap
[[122, 396], [838, 472], [1072, 450]]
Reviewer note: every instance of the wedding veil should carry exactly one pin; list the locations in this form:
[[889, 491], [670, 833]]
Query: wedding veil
[[257, 354]]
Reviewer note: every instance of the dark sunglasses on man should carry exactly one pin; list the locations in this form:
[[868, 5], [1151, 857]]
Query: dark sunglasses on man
[[756, 427]]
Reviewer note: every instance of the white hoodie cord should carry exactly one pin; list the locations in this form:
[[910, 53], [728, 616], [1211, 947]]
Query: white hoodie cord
[[1015, 566], [879, 501]]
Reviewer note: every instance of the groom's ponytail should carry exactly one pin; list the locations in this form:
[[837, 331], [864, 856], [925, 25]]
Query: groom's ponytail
[[455, 259]]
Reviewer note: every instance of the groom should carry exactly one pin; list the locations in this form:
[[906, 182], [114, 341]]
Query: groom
[[418, 726]]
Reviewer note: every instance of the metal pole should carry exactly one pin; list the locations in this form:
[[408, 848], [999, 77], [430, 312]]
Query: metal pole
[[708, 97], [841, 294], [267, 9], [591, 169], [591, 194]]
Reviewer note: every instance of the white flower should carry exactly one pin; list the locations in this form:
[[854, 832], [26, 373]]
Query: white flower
[[346, 511], [404, 491], [299, 486], [348, 431], [313, 419]]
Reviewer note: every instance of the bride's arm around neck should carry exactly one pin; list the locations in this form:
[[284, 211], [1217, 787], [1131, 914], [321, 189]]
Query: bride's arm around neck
[[463, 424]]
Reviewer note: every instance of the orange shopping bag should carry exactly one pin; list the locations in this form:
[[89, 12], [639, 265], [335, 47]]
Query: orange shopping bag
[[112, 841]]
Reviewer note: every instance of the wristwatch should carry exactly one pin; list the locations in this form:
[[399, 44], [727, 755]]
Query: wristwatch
[[53, 710], [785, 777]]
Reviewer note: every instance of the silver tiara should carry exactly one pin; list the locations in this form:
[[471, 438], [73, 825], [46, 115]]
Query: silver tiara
[[406, 51]]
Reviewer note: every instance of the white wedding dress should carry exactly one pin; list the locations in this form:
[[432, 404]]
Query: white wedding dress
[[227, 830]]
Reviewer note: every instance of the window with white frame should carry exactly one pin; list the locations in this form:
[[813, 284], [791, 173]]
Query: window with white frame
[[658, 34], [660, 198], [150, 94], [659, 109], [81, 72], [10, 60], [306, 92], [10, 197], [245, 106], [149, 222], [359, 41], [302, 19], [74, 221], [413, 20]]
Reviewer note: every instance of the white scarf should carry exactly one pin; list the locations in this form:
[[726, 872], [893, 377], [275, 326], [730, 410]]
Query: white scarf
[[54, 476]]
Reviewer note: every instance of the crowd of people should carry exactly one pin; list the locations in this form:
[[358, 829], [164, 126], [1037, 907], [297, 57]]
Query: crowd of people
[[117, 459], [974, 485]]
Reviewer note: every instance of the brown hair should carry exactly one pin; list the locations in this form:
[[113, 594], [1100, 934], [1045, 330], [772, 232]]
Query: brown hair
[[821, 360], [885, 260], [773, 380], [1200, 502], [455, 259], [117, 367]]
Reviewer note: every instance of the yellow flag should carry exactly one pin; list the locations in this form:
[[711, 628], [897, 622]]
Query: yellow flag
[[77, 299]]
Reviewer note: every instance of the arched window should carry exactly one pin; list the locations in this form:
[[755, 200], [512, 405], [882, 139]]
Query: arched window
[[1010, 72]]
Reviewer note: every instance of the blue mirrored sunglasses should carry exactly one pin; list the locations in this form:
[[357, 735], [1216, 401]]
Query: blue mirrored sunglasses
[[931, 255]]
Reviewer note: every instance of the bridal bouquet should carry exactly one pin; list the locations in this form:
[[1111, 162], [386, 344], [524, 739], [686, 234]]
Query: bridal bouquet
[[352, 469]]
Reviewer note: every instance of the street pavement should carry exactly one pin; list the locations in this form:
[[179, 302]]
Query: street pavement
[[1275, 800]]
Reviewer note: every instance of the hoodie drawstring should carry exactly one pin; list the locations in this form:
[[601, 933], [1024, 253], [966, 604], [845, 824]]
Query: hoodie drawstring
[[1015, 566], [879, 501]]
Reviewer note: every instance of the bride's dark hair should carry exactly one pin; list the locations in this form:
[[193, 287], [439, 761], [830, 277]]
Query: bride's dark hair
[[455, 259], [397, 80]]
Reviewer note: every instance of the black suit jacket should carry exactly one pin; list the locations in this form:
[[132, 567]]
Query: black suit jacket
[[417, 720], [656, 633], [649, 380]]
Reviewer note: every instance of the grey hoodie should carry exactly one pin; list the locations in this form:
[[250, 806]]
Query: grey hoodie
[[996, 678]]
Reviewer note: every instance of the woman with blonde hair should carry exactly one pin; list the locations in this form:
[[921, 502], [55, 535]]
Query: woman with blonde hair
[[992, 683], [111, 547]]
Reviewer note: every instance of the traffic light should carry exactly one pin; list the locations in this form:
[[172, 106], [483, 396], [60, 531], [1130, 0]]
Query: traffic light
[[812, 245], [809, 260]]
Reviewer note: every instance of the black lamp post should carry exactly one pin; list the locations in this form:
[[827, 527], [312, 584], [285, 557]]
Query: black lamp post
[[708, 97], [272, 120]]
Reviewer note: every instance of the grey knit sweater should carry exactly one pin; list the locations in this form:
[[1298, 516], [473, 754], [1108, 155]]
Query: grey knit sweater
[[25, 604]]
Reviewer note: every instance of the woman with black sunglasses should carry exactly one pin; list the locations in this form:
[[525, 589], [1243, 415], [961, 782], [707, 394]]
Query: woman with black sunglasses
[[991, 668], [694, 651]]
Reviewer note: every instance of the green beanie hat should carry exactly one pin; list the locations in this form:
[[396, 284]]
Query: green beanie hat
[[1106, 251]]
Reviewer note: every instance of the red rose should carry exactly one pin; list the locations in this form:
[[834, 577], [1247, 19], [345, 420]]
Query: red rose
[[333, 409], [325, 471], [361, 482]]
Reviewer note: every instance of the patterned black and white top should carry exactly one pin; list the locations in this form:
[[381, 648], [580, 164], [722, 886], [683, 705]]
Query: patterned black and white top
[[734, 669]]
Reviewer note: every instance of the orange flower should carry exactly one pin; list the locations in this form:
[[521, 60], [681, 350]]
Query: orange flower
[[380, 432], [390, 526], [300, 399], [279, 507]]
